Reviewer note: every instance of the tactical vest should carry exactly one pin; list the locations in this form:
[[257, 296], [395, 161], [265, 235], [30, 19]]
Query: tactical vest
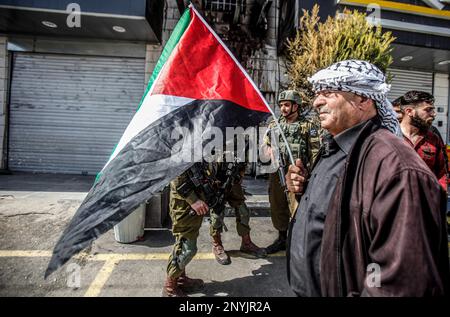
[[293, 133], [300, 135]]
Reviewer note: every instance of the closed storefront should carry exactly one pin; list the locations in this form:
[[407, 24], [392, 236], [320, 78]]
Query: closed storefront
[[405, 80], [67, 112], [74, 74]]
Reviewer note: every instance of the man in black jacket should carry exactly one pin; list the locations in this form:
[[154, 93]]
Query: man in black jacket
[[371, 220]]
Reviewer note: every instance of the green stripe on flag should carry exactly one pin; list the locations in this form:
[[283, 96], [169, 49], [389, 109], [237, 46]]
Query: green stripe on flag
[[99, 174], [177, 33]]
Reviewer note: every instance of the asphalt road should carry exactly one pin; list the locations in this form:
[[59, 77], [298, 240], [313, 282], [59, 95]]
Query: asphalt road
[[34, 210]]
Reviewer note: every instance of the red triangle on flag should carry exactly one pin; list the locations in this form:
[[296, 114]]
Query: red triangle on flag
[[200, 67]]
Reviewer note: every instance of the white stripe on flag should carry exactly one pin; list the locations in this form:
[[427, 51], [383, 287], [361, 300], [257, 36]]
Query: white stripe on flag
[[153, 108]]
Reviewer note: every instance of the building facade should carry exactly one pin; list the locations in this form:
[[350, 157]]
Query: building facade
[[72, 74]]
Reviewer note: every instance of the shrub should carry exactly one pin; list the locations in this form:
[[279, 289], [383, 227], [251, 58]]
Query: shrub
[[320, 44]]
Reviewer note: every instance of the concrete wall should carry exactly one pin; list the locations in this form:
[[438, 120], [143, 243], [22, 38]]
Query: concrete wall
[[441, 95], [171, 17], [4, 73], [263, 67], [153, 52]]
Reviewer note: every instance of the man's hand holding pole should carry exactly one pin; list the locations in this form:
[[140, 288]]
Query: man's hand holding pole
[[296, 177]]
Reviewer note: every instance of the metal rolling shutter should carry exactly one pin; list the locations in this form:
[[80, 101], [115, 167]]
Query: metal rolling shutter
[[406, 80], [68, 112]]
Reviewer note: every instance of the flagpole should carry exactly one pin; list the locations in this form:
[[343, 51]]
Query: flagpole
[[291, 157]]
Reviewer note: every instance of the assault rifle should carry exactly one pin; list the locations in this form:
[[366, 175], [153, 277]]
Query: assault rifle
[[213, 187], [282, 170]]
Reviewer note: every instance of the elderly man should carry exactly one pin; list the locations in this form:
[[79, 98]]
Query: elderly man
[[371, 220]]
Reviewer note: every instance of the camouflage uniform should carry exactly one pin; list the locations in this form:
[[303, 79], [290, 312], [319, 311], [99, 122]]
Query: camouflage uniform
[[236, 200], [303, 137], [185, 227]]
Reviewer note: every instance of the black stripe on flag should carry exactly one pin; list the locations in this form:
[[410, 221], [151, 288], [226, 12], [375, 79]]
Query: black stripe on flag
[[143, 167]]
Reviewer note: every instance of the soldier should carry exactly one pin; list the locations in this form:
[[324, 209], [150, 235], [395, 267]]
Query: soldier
[[185, 228], [236, 199], [301, 126]]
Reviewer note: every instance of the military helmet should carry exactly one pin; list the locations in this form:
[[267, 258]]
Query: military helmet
[[290, 95]]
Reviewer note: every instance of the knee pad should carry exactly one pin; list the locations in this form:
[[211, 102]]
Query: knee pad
[[216, 220], [244, 213], [188, 251]]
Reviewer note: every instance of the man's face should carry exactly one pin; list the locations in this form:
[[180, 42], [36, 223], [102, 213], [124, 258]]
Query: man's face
[[338, 110], [422, 116], [287, 108], [399, 112]]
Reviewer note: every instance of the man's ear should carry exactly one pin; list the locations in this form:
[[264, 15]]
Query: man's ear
[[295, 107], [367, 103], [408, 110]]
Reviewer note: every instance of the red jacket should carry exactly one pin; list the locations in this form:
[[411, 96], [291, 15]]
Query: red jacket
[[430, 149]]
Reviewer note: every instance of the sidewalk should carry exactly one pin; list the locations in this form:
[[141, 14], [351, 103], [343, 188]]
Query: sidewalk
[[35, 209], [258, 200], [25, 183]]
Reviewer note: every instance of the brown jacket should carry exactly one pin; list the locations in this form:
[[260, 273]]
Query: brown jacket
[[387, 209]]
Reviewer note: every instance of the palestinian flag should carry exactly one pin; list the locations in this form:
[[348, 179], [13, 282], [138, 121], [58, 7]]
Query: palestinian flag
[[196, 84]]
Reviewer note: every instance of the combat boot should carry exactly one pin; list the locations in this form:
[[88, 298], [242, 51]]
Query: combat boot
[[279, 244], [190, 285], [219, 252], [171, 288], [248, 247]]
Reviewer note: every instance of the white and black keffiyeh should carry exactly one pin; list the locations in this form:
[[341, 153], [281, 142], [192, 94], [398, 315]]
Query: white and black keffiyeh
[[361, 78]]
